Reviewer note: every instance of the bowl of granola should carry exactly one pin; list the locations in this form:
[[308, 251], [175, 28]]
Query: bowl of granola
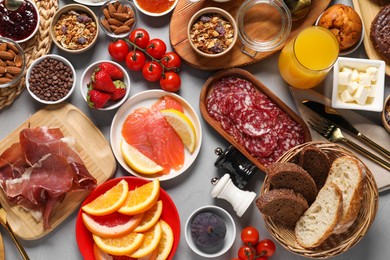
[[74, 28], [212, 32]]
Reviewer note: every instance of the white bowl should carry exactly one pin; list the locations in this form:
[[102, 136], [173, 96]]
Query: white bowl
[[35, 28], [155, 14], [147, 99], [375, 103], [39, 60], [229, 238], [86, 77]]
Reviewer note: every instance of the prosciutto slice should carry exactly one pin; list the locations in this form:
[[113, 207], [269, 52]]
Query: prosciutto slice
[[38, 171]]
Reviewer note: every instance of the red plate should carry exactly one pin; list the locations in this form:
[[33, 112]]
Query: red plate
[[169, 215]]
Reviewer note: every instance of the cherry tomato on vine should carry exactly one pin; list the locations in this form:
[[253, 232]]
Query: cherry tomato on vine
[[135, 60], [171, 60], [118, 50], [152, 71], [250, 236], [156, 48], [170, 81], [265, 247], [139, 37], [246, 253]]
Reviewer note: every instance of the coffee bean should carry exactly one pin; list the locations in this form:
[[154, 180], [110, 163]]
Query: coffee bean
[[51, 79]]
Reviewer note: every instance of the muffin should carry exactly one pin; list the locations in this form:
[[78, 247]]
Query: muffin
[[344, 23], [380, 31]]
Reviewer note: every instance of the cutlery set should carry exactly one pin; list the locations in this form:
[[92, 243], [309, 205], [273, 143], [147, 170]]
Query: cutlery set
[[330, 124]]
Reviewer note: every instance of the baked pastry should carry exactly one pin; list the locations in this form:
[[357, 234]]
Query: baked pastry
[[349, 175], [316, 163], [344, 23], [286, 175], [380, 31], [282, 205], [318, 222]]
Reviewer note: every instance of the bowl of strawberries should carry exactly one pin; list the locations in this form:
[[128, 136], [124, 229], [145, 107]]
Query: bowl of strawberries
[[105, 85]]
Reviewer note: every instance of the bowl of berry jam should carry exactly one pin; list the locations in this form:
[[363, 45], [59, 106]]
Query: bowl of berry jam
[[19, 25]]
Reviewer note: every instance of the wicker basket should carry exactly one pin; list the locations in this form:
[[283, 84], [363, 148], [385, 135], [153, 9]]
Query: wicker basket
[[335, 244]]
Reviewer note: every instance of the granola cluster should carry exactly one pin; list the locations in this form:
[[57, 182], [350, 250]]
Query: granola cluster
[[75, 31], [212, 33]]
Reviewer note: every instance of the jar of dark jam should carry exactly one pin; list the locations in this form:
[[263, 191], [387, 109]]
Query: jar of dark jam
[[21, 24]]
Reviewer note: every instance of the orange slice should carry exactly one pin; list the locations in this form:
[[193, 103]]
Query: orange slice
[[109, 201], [166, 243], [125, 245], [111, 225], [151, 241], [150, 218], [141, 199]]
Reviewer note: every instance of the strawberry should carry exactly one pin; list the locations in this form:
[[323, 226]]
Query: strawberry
[[97, 99], [120, 90], [114, 72], [101, 80]]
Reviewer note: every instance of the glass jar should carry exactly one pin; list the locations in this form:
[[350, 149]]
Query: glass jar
[[263, 25]]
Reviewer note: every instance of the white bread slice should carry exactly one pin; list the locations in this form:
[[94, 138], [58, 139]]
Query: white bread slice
[[348, 174], [319, 220]]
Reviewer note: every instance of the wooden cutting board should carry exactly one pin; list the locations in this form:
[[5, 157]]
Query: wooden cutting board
[[368, 9], [92, 147], [178, 34]]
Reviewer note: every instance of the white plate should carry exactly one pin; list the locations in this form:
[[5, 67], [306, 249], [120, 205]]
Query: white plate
[[147, 99], [91, 2]]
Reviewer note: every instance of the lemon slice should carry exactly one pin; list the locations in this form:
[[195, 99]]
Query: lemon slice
[[183, 127], [138, 161]]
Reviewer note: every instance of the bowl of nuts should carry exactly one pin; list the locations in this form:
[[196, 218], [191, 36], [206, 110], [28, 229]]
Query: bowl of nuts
[[74, 28], [12, 62], [386, 114], [51, 79], [117, 18], [212, 32]]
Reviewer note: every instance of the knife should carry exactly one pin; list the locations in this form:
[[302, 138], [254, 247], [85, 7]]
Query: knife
[[333, 116]]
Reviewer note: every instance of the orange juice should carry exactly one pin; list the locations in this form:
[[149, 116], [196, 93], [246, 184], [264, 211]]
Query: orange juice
[[305, 61]]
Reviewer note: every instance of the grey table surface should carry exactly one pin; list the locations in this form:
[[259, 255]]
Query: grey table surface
[[192, 189]]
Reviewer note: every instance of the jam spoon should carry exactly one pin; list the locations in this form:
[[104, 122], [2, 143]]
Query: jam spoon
[[13, 5]]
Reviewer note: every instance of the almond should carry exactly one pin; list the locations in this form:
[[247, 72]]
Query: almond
[[114, 21], [121, 16], [122, 29]]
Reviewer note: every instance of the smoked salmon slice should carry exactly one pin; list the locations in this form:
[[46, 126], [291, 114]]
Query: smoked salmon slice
[[167, 102], [150, 133]]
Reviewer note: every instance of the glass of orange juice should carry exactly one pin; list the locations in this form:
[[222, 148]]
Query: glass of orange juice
[[305, 61]]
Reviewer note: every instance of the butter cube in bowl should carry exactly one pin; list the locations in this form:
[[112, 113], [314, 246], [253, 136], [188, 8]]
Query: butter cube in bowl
[[358, 84]]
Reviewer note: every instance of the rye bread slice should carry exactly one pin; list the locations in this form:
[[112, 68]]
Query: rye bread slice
[[286, 175], [316, 163], [282, 205]]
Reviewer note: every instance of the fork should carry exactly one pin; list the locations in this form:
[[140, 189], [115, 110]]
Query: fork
[[335, 135], [4, 223]]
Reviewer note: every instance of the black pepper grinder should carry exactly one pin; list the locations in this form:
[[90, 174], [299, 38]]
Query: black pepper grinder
[[236, 164]]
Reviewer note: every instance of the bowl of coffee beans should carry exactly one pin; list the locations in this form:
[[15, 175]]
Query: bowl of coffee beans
[[51, 79]]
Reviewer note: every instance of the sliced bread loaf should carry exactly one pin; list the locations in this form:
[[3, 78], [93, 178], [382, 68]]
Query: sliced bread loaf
[[282, 205], [286, 175], [318, 222], [348, 174], [316, 163]]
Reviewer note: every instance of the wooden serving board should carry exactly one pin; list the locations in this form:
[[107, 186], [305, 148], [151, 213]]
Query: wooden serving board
[[235, 58], [92, 147], [368, 9]]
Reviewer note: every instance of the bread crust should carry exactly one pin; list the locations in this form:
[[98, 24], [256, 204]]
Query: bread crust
[[331, 225], [286, 175], [316, 163], [344, 23], [351, 207], [282, 205]]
